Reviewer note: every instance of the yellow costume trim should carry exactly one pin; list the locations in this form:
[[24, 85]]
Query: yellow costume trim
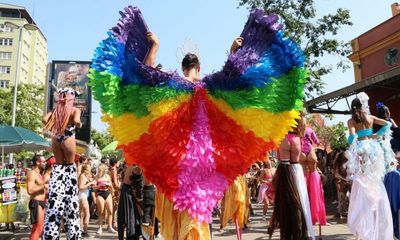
[[236, 203], [177, 225], [266, 125], [127, 127]]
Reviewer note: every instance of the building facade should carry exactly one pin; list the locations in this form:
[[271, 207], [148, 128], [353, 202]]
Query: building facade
[[23, 48], [376, 62], [375, 53]]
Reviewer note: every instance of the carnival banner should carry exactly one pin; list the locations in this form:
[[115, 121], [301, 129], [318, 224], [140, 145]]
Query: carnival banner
[[8, 190]]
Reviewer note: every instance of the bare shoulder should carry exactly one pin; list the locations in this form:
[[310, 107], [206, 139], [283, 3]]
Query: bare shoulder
[[371, 118], [77, 110], [113, 172], [350, 122], [30, 174], [82, 176], [33, 176], [295, 140]]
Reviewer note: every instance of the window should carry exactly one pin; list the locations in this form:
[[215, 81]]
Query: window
[[25, 59], [5, 55], [5, 69], [5, 28], [26, 44], [6, 41], [11, 14], [4, 83]]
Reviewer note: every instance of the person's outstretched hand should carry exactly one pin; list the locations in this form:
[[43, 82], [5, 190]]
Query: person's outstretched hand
[[152, 37], [237, 43]]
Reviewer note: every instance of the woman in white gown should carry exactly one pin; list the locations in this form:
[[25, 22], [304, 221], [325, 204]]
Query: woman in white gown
[[369, 211]]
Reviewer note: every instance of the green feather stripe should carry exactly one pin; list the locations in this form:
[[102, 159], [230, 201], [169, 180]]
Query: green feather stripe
[[116, 98], [282, 94]]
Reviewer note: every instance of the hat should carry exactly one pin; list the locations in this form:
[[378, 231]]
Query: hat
[[68, 91], [51, 160]]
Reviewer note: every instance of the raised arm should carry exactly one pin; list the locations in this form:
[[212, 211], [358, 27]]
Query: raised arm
[[379, 121], [237, 43], [150, 58], [393, 122], [314, 137], [385, 129]]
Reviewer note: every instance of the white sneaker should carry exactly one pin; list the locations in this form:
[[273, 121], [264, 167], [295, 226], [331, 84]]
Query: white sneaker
[[111, 230], [100, 231]]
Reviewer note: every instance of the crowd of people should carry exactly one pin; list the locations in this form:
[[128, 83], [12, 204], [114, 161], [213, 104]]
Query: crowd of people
[[105, 191], [112, 192], [98, 186]]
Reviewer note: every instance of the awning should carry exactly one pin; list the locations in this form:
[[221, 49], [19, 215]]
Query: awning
[[326, 103]]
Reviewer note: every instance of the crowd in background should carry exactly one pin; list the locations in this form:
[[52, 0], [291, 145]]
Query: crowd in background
[[99, 184]]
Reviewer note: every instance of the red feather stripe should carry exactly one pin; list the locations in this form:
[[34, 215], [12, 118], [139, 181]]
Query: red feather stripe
[[159, 152]]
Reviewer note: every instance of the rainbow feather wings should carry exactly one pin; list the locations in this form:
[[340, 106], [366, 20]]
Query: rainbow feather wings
[[193, 140]]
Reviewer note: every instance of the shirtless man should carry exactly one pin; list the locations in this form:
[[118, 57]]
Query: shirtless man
[[37, 188]]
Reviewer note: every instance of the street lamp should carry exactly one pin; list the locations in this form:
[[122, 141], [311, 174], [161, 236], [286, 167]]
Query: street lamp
[[27, 26]]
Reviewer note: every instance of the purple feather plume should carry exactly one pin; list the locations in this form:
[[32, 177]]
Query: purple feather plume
[[131, 30], [258, 35]]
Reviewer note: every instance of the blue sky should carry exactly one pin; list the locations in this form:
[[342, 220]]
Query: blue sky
[[74, 28]]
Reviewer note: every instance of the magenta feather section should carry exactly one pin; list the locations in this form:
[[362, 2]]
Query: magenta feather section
[[200, 187]]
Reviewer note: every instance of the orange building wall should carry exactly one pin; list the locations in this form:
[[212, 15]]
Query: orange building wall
[[379, 32], [368, 57], [375, 63]]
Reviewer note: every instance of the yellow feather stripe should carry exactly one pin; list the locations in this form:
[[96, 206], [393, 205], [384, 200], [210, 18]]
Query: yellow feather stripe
[[127, 127], [267, 125]]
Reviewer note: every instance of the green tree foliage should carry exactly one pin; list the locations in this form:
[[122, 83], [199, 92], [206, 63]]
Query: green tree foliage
[[102, 139], [30, 105], [29, 112], [315, 35], [339, 139]]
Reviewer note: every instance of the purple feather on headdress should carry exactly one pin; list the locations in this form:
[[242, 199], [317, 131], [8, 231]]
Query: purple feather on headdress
[[380, 105]]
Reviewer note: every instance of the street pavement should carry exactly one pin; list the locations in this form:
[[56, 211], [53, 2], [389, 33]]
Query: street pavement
[[335, 230]]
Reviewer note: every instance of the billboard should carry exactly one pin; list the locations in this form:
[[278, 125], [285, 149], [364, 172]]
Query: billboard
[[73, 74]]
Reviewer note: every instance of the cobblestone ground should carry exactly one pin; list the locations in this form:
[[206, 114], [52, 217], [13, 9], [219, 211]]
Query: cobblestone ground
[[257, 230]]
